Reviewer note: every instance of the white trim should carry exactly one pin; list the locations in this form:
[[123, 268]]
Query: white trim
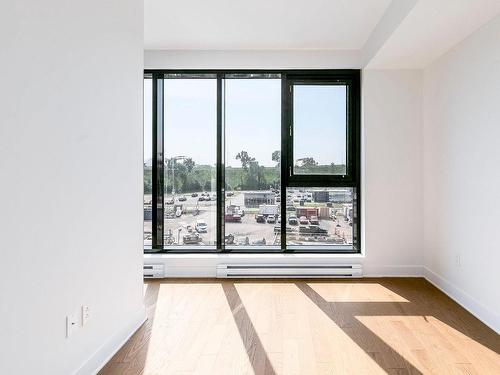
[[102, 356], [484, 314], [392, 271]]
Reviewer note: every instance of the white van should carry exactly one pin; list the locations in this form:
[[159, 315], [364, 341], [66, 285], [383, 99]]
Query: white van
[[201, 226]]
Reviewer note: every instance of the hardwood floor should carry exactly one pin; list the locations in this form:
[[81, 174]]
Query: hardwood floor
[[366, 326]]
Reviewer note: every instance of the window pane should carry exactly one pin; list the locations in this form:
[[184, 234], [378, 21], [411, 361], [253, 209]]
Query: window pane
[[252, 159], [320, 217], [148, 155], [190, 157], [319, 129]]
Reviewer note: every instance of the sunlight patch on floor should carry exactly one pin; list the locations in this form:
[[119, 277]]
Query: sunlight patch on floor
[[355, 292], [425, 342], [297, 336]]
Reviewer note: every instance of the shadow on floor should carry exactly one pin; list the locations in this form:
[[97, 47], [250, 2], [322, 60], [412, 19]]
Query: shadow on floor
[[255, 351], [423, 299]]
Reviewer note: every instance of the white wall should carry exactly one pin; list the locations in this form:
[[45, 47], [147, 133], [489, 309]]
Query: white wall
[[252, 59], [392, 203], [461, 172], [71, 167], [392, 171]]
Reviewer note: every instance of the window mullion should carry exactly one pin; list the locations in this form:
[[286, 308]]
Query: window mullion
[[157, 164], [285, 140], [220, 164]]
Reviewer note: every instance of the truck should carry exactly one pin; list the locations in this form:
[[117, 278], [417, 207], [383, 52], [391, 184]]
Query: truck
[[307, 212], [268, 209]]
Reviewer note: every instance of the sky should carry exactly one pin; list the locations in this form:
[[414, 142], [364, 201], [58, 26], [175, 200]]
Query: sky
[[252, 120]]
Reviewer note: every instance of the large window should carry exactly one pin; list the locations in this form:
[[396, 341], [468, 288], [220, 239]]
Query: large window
[[252, 108], [190, 158], [251, 161]]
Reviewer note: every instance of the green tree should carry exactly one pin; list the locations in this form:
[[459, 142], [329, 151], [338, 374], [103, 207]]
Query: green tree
[[245, 159], [307, 162], [276, 157]]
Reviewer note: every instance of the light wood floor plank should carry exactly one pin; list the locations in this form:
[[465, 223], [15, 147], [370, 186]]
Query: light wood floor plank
[[270, 327]]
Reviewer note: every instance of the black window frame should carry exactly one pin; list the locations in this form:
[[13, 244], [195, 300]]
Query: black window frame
[[352, 179]]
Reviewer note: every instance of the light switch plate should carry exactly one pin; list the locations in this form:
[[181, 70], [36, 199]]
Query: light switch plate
[[71, 324]]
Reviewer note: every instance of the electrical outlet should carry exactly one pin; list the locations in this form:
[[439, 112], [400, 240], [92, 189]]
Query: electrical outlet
[[85, 314], [71, 324], [458, 260]]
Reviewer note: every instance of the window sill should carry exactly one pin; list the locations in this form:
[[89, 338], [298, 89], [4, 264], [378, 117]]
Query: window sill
[[253, 257]]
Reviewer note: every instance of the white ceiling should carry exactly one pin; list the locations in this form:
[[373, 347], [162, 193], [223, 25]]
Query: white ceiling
[[385, 34], [430, 29], [260, 24]]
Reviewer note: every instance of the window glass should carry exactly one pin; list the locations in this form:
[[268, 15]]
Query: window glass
[[190, 148], [319, 129], [320, 217], [252, 160]]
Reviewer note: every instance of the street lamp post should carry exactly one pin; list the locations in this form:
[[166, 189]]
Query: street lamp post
[[174, 159]]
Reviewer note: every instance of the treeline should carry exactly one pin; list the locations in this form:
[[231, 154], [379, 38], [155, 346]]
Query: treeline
[[202, 177], [190, 177]]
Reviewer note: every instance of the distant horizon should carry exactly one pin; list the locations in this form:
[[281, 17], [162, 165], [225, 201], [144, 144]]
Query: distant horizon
[[148, 163]]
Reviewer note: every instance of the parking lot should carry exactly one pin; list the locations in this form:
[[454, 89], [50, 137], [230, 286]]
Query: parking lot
[[248, 232]]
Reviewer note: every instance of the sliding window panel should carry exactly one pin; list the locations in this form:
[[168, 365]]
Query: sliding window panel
[[321, 218], [252, 110], [148, 162], [190, 147], [319, 129]]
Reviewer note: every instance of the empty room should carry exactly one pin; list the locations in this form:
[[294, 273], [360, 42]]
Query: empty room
[[268, 187]]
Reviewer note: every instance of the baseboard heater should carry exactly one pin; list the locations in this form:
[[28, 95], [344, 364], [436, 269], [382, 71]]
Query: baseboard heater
[[153, 271], [287, 270]]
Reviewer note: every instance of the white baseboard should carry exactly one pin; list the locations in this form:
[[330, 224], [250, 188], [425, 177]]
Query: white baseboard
[[484, 314], [392, 271], [97, 361]]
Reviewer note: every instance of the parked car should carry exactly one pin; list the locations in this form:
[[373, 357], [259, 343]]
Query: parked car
[[201, 198], [271, 219], [279, 218], [201, 226], [169, 201], [314, 220], [232, 218], [178, 212], [194, 195], [292, 220], [229, 194], [169, 215], [260, 218], [303, 220], [182, 198], [192, 238]]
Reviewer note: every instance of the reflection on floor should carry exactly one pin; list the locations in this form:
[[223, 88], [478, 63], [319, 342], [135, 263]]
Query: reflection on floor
[[367, 326]]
